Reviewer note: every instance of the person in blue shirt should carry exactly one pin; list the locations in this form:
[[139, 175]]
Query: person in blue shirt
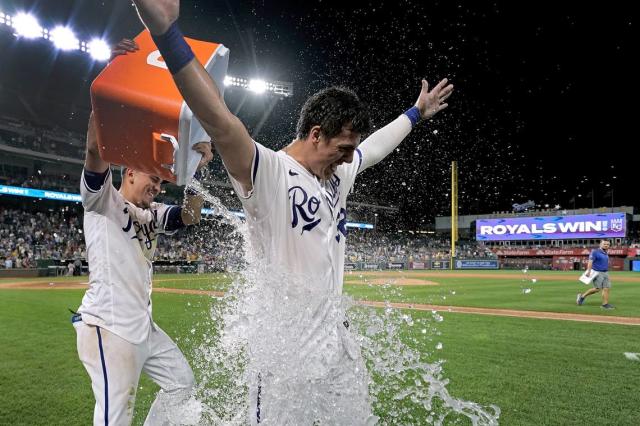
[[599, 263]]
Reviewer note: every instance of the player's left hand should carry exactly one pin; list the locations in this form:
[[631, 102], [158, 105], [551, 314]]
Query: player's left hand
[[431, 102], [203, 148], [122, 47]]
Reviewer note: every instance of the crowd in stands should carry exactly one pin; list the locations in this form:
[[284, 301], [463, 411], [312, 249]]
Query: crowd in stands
[[376, 247], [61, 182], [62, 145], [29, 236], [54, 140], [50, 143], [26, 237]]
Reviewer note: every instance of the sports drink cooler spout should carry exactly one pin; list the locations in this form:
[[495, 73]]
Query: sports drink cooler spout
[[143, 122]]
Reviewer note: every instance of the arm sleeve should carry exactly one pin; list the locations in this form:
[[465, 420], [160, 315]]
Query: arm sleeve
[[383, 141], [347, 172], [94, 180], [174, 219], [96, 190], [266, 173], [169, 219]]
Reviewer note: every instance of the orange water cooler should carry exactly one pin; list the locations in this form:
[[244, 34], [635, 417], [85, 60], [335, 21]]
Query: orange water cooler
[[143, 122]]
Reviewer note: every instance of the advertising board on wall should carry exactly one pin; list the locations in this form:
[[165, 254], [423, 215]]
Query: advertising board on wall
[[476, 264]]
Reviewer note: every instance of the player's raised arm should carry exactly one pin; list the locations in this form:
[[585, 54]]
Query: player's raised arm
[[382, 142], [92, 160], [199, 91]]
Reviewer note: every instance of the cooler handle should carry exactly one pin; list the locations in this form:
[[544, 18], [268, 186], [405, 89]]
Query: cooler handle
[[165, 150]]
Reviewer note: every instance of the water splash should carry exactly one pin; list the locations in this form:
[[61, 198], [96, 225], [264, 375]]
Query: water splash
[[527, 282], [310, 357], [220, 210], [406, 387]]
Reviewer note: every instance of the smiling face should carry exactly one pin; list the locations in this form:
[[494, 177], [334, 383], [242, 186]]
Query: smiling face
[[329, 153], [331, 123], [141, 188], [604, 245]]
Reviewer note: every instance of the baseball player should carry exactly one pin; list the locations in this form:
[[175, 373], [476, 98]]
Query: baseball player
[[116, 335], [295, 205]]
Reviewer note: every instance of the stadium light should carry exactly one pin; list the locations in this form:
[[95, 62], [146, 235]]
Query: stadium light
[[257, 86], [279, 88], [64, 39], [99, 49], [27, 26]]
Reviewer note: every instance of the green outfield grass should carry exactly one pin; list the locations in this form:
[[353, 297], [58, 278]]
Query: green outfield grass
[[504, 293], [540, 372]]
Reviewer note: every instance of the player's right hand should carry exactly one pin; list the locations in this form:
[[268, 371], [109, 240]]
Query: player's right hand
[[205, 149], [122, 47], [158, 15]]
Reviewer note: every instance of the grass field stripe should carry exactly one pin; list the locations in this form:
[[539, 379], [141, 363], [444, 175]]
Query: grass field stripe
[[506, 312], [604, 319]]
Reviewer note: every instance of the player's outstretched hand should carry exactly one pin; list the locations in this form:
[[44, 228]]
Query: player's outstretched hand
[[203, 148], [123, 47], [431, 102], [158, 15]]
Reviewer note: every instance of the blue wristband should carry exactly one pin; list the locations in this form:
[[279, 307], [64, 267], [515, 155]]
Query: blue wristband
[[174, 49], [414, 115]]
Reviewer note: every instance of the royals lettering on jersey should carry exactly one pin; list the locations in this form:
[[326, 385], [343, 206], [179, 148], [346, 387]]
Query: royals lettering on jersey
[[146, 232], [303, 208], [342, 224], [121, 240], [146, 226], [297, 220]]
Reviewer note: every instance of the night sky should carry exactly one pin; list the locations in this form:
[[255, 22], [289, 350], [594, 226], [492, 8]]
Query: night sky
[[544, 107]]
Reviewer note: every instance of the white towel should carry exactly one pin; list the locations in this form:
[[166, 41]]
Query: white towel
[[587, 279]]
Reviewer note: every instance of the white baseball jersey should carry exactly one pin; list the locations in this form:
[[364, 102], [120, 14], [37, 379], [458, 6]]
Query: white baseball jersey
[[300, 348], [121, 240], [298, 222]]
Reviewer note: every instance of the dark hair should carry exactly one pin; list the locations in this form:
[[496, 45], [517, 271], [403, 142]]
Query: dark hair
[[331, 109]]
